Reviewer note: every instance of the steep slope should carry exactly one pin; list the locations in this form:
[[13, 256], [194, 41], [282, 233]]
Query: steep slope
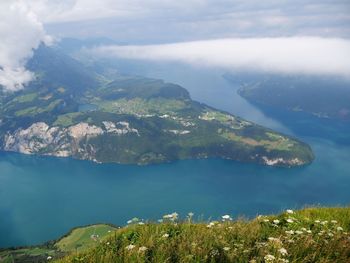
[[308, 235], [324, 97]]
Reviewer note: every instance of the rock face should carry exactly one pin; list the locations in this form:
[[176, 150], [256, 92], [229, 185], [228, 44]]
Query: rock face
[[281, 161], [40, 138]]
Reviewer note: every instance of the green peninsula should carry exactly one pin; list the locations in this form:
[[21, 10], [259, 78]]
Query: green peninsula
[[72, 111]]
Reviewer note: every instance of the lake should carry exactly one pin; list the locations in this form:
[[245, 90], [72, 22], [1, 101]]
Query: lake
[[42, 198]]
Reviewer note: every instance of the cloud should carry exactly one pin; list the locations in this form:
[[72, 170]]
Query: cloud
[[295, 55], [20, 33], [156, 21]]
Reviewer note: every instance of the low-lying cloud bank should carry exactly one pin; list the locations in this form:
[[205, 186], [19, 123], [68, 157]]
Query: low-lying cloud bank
[[294, 55], [20, 33]]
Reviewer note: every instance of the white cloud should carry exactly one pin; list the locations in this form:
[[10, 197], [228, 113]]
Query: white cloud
[[20, 33], [305, 55]]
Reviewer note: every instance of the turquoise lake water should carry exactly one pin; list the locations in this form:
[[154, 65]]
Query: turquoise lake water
[[42, 198]]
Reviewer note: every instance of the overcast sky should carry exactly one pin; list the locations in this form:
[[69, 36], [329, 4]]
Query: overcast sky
[[150, 21], [322, 24]]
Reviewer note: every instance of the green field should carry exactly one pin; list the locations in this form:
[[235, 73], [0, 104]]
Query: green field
[[81, 239], [78, 240]]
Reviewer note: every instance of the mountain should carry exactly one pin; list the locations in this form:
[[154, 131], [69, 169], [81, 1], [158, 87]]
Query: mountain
[[73, 111], [324, 97]]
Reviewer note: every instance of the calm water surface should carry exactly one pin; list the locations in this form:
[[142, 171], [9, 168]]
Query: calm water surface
[[41, 198]]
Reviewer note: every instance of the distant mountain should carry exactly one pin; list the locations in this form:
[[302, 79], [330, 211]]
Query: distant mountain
[[324, 97], [70, 110]]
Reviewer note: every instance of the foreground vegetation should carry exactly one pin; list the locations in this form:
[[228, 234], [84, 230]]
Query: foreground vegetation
[[309, 235]]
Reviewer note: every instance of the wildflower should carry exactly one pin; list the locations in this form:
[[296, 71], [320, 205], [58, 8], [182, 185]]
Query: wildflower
[[107, 243], [142, 249], [266, 220], [214, 252], [190, 214], [172, 216], [49, 258], [283, 260], [290, 232], [289, 220], [334, 221], [141, 223], [160, 220], [226, 248], [324, 222], [339, 228], [330, 234], [298, 232], [317, 221], [130, 247], [226, 217], [166, 235], [308, 231], [303, 229], [276, 221], [211, 224], [269, 258], [283, 251], [289, 211], [134, 220]]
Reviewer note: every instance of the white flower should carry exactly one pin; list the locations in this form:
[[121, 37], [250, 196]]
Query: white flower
[[211, 224], [107, 243], [339, 228], [49, 258], [226, 248], [141, 223], [276, 221], [289, 211], [166, 235], [308, 231], [266, 220], [130, 247], [298, 232], [190, 214], [142, 249], [303, 229], [226, 217], [172, 216], [290, 232], [330, 234], [134, 220], [269, 258], [334, 221], [324, 222], [160, 220], [317, 221], [289, 220], [283, 251]]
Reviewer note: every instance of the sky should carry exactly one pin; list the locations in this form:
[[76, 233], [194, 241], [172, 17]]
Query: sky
[[231, 30]]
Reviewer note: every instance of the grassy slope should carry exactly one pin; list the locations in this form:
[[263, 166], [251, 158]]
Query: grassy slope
[[321, 239], [78, 240]]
